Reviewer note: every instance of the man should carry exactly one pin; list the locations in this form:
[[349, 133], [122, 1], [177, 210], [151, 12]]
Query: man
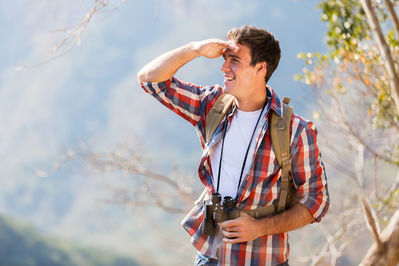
[[247, 166]]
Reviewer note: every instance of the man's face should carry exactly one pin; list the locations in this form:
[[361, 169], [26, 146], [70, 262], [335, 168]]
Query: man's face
[[239, 75]]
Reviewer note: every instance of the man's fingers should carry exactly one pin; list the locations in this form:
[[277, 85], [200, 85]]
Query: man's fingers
[[231, 223], [232, 46], [233, 240], [231, 228], [229, 45], [213, 48], [231, 234]]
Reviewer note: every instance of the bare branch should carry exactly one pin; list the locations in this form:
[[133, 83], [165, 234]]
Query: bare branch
[[375, 177], [158, 6], [393, 188], [393, 15], [142, 183], [389, 254], [346, 224], [372, 224], [73, 36]]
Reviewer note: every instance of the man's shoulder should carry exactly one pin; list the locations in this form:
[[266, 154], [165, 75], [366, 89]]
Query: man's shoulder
[[301, 120], [301, 126]]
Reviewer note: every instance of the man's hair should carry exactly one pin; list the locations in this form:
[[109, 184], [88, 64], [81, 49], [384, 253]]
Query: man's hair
[[263, 45]]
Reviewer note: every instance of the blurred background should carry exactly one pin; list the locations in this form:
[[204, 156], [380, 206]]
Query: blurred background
[[58, 119]]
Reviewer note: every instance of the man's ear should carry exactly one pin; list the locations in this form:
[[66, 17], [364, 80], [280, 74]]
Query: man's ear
[[261, 68]]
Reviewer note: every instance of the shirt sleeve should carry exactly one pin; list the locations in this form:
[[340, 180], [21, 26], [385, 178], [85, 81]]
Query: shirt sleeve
[[308, 172], [185, 99]]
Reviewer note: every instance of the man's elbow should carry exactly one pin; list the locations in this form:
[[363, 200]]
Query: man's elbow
[[141, 77], [146, 75]]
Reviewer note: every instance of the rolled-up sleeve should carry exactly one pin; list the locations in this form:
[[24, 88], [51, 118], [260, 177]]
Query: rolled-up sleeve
[[185, 99], [309, 173]]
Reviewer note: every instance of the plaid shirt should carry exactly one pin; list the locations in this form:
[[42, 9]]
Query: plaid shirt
[[261, 185]]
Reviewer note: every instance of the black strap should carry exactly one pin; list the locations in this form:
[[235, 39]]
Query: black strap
[[249, 146], [246, 154], [221, 153]]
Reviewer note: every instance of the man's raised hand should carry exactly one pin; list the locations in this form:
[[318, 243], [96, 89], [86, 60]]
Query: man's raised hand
[[165, 66], [213, 48]]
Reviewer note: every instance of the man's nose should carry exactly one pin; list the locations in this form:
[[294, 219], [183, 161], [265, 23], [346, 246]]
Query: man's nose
[[225, 67]]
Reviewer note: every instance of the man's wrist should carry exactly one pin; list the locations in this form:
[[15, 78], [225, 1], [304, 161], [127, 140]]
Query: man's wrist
[[262, 225], [194, 48], [189, 51]]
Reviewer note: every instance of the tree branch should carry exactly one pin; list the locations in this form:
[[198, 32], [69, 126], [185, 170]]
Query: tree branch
[[142, 184], [393, 15], [389, 254], [74, 35], [384, 50], [372, 224]]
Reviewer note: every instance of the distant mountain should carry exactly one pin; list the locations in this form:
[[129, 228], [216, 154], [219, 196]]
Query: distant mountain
[[22, 245]]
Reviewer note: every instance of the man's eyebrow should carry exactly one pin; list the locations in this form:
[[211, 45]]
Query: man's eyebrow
[[231, 55]]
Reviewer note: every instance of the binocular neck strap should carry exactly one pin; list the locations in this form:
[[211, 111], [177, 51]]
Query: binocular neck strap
[[246, 154], [221, 153]]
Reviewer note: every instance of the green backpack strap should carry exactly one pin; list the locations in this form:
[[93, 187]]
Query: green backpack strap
[[216, 114], [280, 134]]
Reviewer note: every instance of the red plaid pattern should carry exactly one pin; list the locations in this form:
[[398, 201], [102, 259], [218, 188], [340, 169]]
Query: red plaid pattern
[[261, 185]]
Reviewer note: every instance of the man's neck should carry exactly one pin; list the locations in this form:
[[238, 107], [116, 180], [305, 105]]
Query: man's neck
[[253, 103]]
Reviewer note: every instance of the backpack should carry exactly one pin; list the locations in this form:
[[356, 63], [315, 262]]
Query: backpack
[[280, 135]]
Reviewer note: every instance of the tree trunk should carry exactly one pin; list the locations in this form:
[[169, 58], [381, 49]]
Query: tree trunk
[[393, 15], [384, 50], [389, 255]]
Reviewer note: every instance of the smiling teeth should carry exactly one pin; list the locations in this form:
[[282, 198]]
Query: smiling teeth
[[228, 78]]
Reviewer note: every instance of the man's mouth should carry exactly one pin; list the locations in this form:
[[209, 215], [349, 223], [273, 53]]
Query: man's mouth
[[229, 78]]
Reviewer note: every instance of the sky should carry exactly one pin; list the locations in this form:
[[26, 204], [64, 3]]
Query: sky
[[92, 94]]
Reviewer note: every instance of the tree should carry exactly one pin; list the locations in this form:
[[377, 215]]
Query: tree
[[356, 87]]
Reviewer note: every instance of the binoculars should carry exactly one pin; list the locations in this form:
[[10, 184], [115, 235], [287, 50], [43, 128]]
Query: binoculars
[[215, 213]]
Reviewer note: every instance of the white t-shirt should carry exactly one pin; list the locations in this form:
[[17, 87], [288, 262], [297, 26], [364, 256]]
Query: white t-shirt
[[235, 146]]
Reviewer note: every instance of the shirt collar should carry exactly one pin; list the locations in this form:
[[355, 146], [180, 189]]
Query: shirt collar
[[276, 104]]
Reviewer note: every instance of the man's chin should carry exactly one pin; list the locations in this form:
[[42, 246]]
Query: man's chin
[[227, 90]]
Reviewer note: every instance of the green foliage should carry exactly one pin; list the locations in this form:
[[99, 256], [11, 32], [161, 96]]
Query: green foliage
[[318, 62], [347, 23], [392, 40], [22, 245]]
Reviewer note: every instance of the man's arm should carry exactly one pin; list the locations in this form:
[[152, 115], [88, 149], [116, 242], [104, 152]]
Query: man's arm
[[165, 66], [246, 228]]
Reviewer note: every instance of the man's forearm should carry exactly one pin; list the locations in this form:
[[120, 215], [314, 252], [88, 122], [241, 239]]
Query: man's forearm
[[295, 218], [165, 66], [247, 228]]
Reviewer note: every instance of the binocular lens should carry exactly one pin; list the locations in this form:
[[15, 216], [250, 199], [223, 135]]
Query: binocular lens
[[228, 202], [216, 198]]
